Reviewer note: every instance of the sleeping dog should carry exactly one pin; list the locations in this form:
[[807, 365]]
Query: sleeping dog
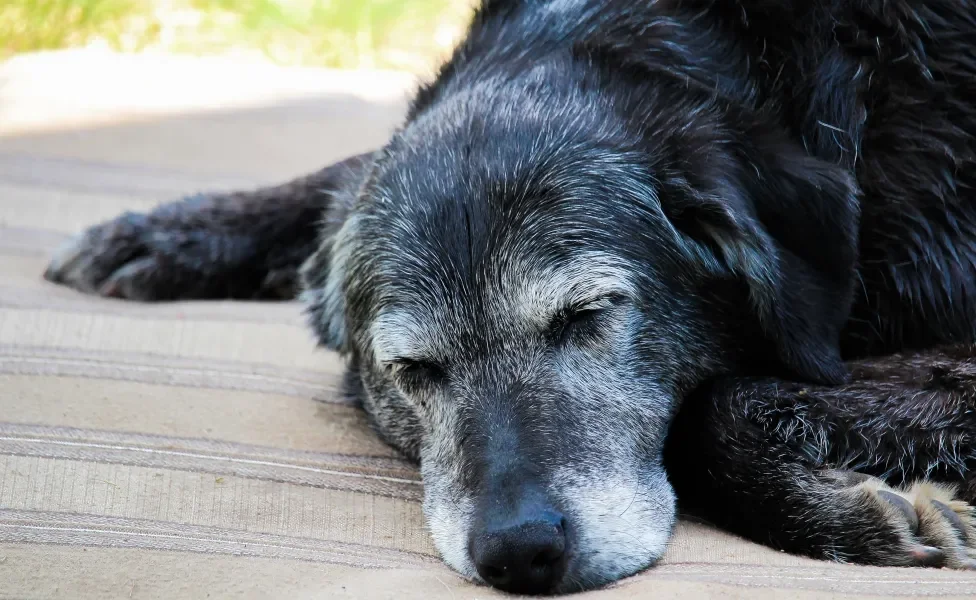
[[622, 253]]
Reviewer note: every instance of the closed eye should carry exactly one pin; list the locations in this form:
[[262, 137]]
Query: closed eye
[[582, 320], [416, 372]]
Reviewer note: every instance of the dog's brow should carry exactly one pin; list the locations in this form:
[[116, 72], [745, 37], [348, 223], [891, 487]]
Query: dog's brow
[[587, 281], [597, 302], [398, 334]]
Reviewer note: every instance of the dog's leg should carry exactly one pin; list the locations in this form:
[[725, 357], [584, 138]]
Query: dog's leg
[[847, 473], [235, 245]]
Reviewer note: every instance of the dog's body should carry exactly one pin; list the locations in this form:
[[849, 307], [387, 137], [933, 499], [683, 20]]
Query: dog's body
[[597, 211]]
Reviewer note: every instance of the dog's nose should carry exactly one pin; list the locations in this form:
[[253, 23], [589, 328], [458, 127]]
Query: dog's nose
[[525, 558]]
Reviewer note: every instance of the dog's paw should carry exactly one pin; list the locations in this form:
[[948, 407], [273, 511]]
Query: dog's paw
[[921, 525], [110, 259], [180, 251]]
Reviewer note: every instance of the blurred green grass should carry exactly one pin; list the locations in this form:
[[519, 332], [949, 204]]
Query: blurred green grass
[[400, 34]]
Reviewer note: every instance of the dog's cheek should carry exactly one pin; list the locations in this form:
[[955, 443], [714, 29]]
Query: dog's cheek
[[617, 389], [393, 418]]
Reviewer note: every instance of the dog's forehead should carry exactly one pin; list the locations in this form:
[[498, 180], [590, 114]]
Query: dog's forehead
[[473, 238]]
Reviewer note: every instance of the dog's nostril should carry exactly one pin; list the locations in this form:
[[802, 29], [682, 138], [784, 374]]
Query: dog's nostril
[[541, 561]]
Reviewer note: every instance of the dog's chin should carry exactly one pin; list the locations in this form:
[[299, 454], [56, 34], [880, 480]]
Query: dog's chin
[[620, 526], [611, 566]]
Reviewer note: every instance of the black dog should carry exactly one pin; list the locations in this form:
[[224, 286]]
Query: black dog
[[599, 212]]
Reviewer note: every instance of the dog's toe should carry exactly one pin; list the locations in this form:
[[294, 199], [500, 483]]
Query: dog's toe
[[134, 281]]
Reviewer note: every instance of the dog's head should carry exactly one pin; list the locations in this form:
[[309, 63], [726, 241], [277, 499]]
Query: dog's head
[[526, 289]]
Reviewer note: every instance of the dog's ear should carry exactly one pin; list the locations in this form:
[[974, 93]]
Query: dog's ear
[[788, 224], [323, 273], [323, 296]]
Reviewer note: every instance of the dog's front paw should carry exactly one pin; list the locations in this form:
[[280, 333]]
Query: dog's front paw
[[189, 250], [114, 258], [921, 525]]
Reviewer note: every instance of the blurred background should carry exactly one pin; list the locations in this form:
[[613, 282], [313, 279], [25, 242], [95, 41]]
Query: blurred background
[[204, 93], [348, 34]]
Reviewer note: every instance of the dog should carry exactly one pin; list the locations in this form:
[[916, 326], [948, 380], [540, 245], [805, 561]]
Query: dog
[[622, 253]]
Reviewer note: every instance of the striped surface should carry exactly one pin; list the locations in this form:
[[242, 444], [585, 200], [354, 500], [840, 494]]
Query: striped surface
[[199, 449]]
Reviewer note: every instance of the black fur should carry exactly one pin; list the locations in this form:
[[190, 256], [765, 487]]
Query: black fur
[[759, 456], [795, 180]]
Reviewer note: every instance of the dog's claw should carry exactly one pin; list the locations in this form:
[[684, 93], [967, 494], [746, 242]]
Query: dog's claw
[[903, 505], [954, 519], [928, 556]]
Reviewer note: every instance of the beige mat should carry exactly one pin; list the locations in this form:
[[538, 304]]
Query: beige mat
[[199, 450]]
